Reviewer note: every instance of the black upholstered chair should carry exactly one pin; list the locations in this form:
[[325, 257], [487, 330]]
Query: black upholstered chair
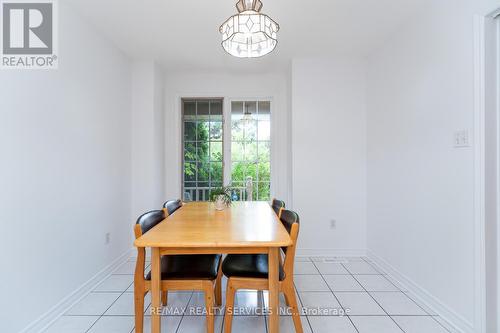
[[172, 205], [251, 271], [278, 205], [178, 272]]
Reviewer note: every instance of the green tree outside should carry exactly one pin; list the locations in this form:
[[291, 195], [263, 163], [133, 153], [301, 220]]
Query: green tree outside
[[203, 157]]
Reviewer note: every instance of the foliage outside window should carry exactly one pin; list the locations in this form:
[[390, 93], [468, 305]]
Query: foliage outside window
[[251, 148], [202, 147]]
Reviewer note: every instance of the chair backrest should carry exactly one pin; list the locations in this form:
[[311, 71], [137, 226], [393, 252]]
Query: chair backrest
[[144, 223], [148, 220], [277, 206], [172, 205], [290, 221]]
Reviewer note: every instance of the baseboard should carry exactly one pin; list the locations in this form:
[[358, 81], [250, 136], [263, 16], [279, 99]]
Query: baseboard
[[45, 320], [330, 252], [422, 296]]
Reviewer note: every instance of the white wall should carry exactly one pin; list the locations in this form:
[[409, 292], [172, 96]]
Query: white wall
[[329, 154], [64, 172], [421, 188], [148, 145], [228, 86]]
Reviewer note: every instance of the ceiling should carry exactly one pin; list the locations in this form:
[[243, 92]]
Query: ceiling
[[183, 34]]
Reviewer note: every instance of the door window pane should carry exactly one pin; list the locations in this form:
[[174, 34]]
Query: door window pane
[[203, 171], [251, 171], [216, 151], [237, 151], [202, 110], [202, 131], [190, 151], [202, 146], [264, 171], [190, 171], [238, 170], [250, 150], [250, 107], [264, 130], [250, 129], [264, 148], [202, 149], [216, 130], [236, 110], [216, 174], [237, 130], [265, 110], [189, 110], [264, 190], [216, 110], [189, 131]]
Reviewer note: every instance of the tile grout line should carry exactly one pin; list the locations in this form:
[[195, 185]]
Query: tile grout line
[[264, 304], [102, 314], [183, 312], [406, 294], [265, 322], [300, 299], [338, 301], [133, 329], [430, 315], [349, 273], [352, 275], [223, 320], [385, 275], [111, 291], [121, 294], [302, 307]]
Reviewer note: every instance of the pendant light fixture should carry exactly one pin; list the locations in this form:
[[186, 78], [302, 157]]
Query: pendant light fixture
[[247, 116], [249, 34]]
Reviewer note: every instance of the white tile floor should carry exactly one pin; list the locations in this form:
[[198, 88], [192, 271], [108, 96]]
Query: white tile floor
[[340, 295]]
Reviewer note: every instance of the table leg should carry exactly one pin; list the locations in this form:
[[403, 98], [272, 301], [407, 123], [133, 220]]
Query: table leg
[[273, 290], [155, 291]]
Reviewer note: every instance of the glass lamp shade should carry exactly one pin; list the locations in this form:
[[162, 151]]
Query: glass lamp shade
[[249, 34], [247, 117]]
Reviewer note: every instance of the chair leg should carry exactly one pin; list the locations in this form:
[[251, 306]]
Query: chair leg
[[291, 300], [287, 301], [218, 287], [164, 298], [228, 315], [209, 305], [139, 308], [260, 296]]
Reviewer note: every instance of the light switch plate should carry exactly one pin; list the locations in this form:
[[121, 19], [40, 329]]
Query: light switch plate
[[461, 139]]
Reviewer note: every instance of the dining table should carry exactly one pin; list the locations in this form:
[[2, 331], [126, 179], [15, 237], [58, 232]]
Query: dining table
[[244, 227]]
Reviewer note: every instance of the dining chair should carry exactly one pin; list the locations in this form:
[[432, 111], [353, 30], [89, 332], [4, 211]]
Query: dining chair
[[171, 206], [278, 205], [251, 271], [178, 272]]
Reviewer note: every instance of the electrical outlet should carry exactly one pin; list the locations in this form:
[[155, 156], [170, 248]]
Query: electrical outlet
[[461, 139], [333, 224], [108, 238]]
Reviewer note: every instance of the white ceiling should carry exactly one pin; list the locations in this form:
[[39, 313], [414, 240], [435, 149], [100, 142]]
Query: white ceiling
[[183, 34]]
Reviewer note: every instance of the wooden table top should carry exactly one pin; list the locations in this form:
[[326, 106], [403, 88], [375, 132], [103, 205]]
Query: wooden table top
[[199, 225]]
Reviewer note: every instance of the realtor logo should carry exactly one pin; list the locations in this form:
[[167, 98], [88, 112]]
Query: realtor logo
[[28, 34]]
